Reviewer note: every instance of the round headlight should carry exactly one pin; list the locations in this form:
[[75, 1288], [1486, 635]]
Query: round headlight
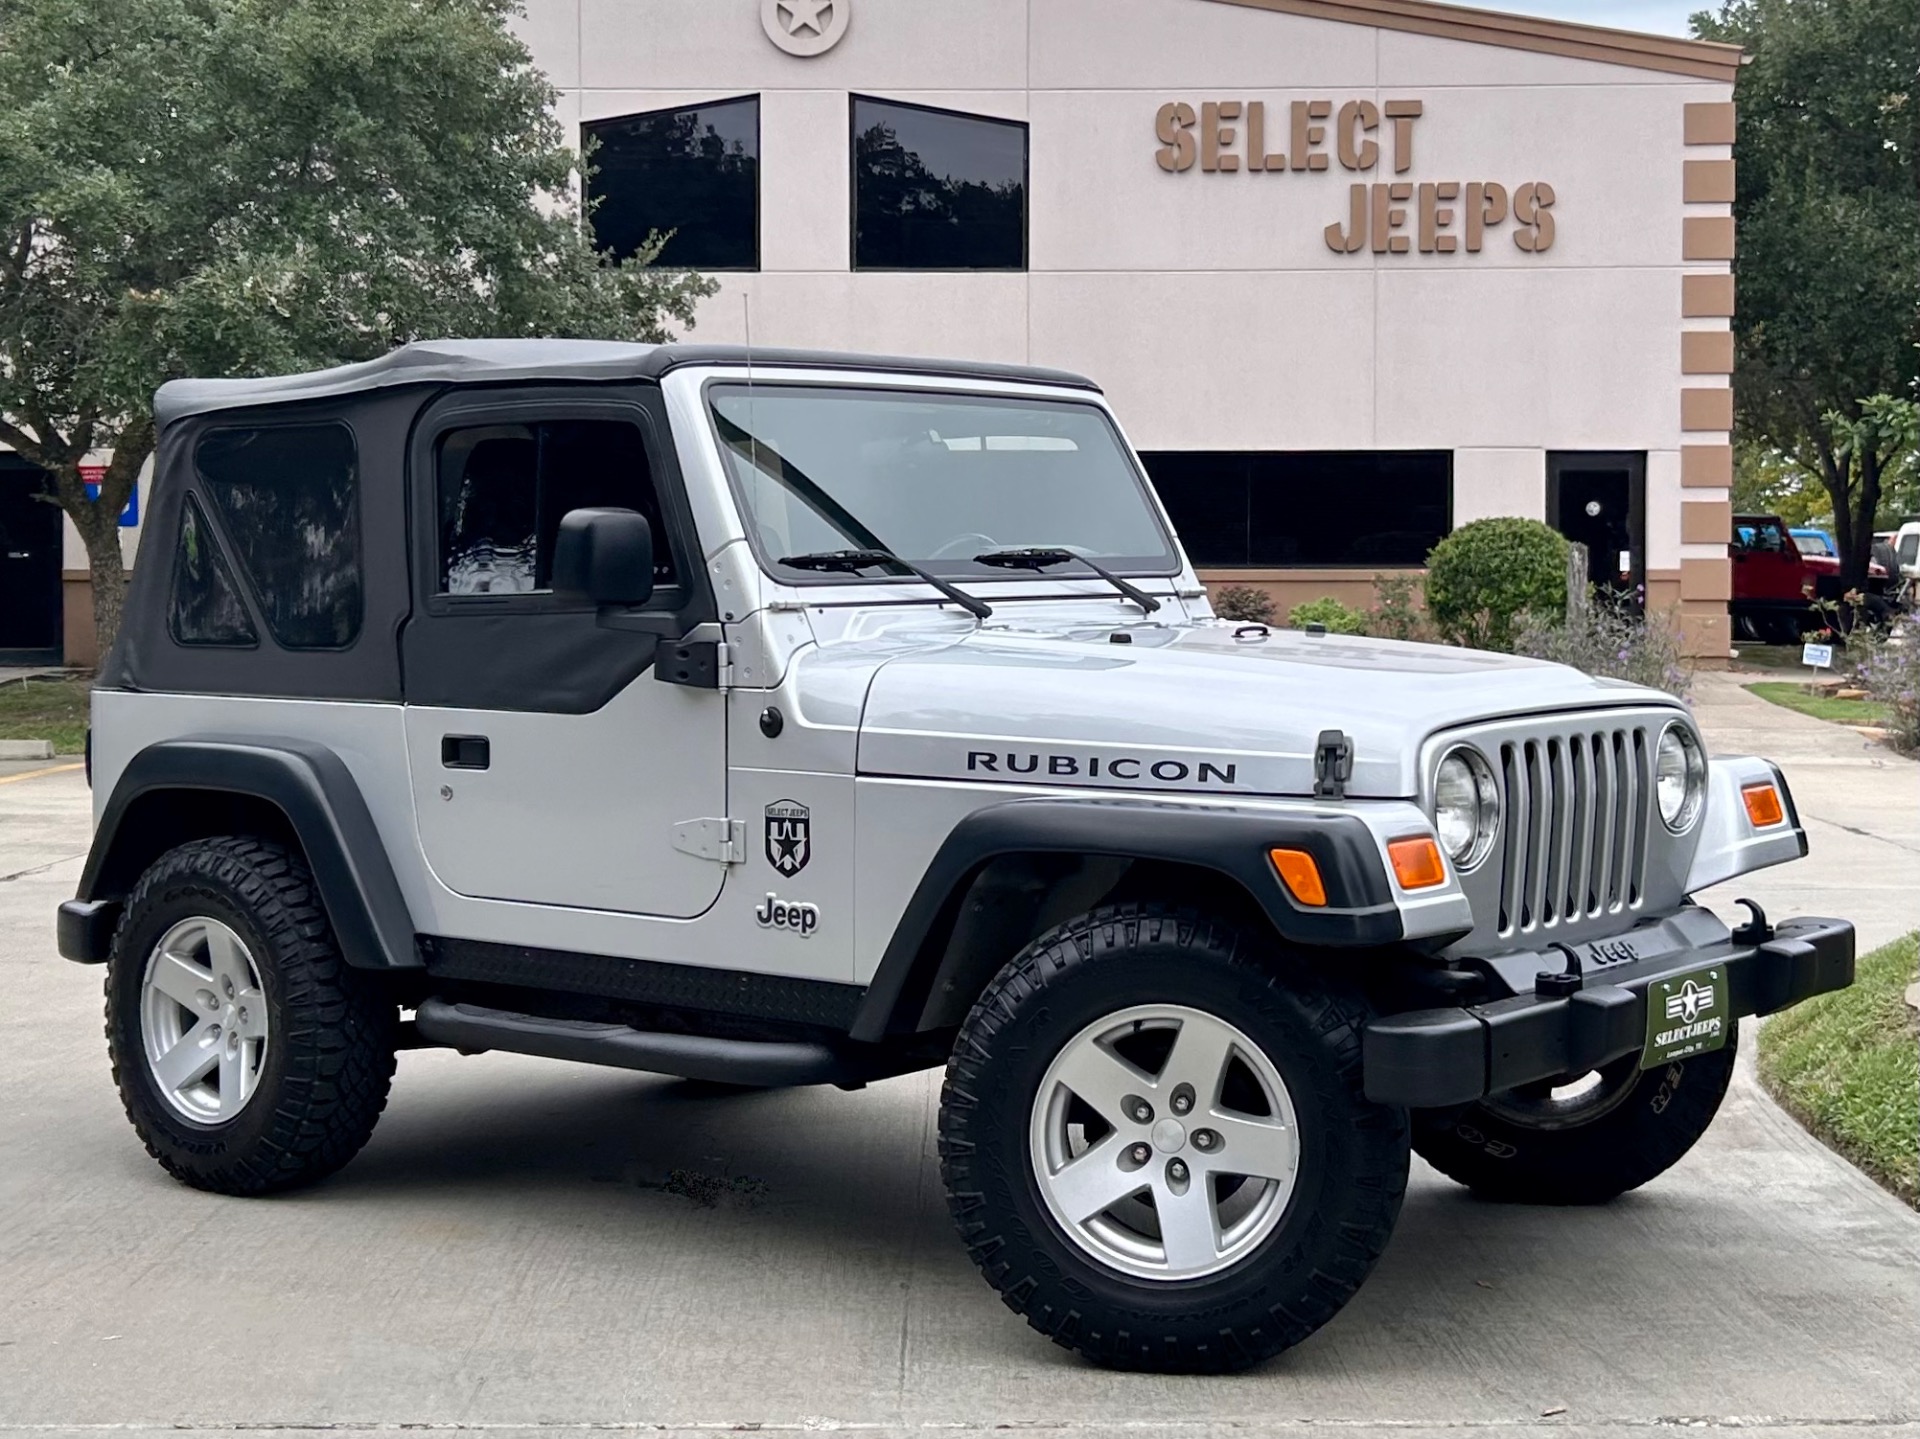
[[1679, 776], [1466, 807]]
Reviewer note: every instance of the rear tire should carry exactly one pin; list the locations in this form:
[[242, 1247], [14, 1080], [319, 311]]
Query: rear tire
[[1064, 1038], [249, 1056], [1527, 1150]]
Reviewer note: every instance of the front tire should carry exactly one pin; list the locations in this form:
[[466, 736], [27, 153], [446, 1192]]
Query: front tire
[[249, 1056], [1155, 1143], [1533, 1147]]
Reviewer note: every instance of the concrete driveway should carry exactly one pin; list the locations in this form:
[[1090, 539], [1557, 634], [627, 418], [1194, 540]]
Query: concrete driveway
[[514, 1251]]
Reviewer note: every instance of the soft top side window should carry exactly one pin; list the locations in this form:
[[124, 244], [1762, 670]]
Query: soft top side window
[[291, 498], [207, 608], [502, 491]]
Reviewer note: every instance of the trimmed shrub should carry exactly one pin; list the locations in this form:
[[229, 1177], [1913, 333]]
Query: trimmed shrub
[[1485, 575], [1338, 618], [1245, 603]]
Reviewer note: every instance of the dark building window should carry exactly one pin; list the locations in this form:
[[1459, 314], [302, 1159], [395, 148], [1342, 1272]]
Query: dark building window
[[1280, 509], [291, 497], [207, 608], [937, 190], [694, 172], [505, 488]]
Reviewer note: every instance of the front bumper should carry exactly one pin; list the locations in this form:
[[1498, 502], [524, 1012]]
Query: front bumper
[[1434, 1057]]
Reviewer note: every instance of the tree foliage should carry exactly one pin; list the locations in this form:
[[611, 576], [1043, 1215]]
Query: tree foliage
[[1828, 209], [1485, 575], [230, 187]]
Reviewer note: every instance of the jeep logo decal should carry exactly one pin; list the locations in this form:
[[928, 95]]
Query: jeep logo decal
[[1067, 766]]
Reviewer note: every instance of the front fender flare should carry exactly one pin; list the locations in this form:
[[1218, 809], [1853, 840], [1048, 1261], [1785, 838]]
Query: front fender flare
[[1361, 910], [307, 783]]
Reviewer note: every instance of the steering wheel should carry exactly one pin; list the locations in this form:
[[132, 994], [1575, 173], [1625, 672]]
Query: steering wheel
[[965, 546]]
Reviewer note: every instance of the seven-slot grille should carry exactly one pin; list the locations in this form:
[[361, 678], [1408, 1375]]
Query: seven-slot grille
[[1577, 816]]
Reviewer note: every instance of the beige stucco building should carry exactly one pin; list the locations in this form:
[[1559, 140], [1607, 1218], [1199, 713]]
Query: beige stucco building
[[1354, 271]]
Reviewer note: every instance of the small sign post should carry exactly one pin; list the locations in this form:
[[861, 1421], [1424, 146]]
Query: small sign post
[[1819, 656]]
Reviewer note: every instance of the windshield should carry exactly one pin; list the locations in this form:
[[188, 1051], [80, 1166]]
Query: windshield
[[1811, 542], [935, 479]]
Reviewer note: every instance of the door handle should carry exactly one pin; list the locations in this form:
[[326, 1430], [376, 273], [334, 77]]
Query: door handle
[[465, 751]]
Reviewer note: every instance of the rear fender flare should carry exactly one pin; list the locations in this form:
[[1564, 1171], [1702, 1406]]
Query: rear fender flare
[[308, 784]]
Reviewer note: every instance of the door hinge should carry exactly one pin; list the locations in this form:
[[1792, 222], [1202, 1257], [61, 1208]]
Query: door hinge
[[699, 664], [724, 841]]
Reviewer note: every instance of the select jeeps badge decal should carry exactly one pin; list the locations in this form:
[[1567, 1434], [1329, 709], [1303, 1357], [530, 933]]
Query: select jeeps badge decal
[[777, 913], [789, 836], [1686, 1015]]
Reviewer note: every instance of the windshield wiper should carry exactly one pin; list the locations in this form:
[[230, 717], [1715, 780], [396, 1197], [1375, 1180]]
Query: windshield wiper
[[853, 561], [1042, 557]]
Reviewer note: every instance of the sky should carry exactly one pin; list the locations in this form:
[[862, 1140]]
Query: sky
[[1659, 17]]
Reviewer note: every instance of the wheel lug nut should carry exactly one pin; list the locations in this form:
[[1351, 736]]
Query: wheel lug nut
[[1203, 1139], [1181, 1104], [1140, 1154], [1177, 1170], [1142, 1113]]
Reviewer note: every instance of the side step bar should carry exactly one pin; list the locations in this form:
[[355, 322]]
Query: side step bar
[[771, 1064]]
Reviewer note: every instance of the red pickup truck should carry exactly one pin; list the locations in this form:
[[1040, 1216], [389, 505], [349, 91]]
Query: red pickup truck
[[1776, 585]]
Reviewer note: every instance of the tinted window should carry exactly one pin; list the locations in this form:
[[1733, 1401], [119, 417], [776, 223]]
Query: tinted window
[[207, 608], [503, 490], [1306, 508], [695, 172], [291, 498], [937, 190]]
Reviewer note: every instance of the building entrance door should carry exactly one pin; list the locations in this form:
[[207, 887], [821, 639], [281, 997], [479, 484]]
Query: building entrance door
[[29, 567], [1600, 501]]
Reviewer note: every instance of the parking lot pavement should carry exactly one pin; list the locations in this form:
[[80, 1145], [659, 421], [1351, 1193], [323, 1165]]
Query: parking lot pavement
[[516, 1249]]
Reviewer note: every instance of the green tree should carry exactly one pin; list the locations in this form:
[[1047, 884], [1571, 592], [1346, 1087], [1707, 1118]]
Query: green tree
[[1828, 204], [230, 187]]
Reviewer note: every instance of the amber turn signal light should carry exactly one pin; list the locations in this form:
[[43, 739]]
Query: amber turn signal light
[[1763, 805], [1300, 875], [1416, 862]]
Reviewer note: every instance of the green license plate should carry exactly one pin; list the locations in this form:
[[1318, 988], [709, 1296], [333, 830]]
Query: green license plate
[[1686, 1015]]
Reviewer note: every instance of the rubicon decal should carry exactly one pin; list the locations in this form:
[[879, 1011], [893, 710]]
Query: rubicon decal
[[1125, 768], [789, 836]]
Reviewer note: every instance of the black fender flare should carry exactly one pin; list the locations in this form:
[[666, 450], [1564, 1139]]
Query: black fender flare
[[310, 785], [1360, 911]]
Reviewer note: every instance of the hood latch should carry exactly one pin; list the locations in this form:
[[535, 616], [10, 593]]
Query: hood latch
[[1332, 765]]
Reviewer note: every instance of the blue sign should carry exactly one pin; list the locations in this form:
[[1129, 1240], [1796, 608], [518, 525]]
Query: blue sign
[[130, 516]]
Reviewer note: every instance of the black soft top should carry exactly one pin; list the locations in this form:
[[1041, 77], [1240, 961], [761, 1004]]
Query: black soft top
[[454, 362]]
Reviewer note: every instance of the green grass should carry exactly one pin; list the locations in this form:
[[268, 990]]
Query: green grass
[[1795, 697], [1847, 1066], [50, 709]]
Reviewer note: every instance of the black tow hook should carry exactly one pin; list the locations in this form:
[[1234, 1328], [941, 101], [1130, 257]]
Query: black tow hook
[[1756, 930], [1549, 985]]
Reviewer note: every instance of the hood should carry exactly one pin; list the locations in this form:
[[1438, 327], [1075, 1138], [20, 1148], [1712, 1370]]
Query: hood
[[1197, 708]]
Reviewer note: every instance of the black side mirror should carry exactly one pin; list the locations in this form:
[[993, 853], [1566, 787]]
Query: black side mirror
[[604, 557]]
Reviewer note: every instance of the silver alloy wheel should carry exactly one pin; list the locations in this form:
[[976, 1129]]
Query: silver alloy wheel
[[203, 1021], [1172, 1172]]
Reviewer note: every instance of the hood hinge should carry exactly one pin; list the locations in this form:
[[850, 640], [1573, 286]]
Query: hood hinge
[[724, 841]]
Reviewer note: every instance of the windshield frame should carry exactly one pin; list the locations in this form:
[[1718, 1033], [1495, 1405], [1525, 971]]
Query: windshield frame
[[963, 572]]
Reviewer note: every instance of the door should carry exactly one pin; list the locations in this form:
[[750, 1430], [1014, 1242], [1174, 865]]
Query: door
[[1766, 564], [1600, 501], [550, 763], [29, 564]]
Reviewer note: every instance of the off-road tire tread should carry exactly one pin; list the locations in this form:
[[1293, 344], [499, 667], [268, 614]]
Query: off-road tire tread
[[1361, 1235], [335, 1030], [1649, 1133]]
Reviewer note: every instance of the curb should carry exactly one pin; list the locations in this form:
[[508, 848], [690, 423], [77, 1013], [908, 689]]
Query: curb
[[26, 749]]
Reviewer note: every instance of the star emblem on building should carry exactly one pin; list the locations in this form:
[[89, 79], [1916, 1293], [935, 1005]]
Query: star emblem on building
[[805, 28]]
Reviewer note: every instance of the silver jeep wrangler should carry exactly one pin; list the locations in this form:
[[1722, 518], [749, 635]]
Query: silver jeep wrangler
[[785, 719]]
